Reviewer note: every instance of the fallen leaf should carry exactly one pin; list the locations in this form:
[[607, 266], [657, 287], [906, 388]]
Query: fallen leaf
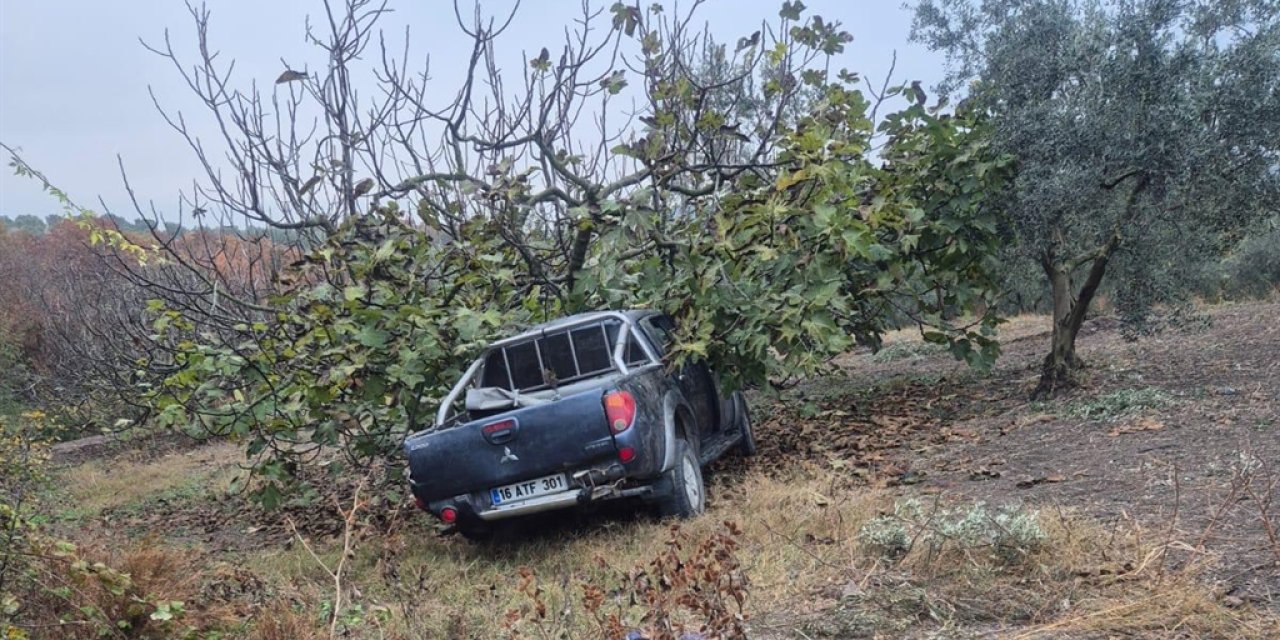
[[1142, 424], [812, 539], [1031, 482], [910, 477], [983, 474]]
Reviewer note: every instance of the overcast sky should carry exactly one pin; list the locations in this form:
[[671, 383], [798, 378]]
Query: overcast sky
[[74, 78]]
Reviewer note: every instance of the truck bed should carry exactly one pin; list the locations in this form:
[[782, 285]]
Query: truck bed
[[563, 435]]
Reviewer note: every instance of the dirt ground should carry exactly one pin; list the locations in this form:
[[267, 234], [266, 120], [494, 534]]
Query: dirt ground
[[1208, 409]]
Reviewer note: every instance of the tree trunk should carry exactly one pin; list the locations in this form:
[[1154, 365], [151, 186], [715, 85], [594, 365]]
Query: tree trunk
[[1058, 370], [1069, 310], [581, 243]]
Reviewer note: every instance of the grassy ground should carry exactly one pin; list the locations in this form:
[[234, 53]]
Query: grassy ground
[[134, 484], [908, 497]]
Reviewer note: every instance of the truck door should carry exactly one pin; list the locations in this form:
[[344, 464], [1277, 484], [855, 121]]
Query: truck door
[[694, 378]]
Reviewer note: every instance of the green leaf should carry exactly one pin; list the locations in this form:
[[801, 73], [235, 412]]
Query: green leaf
[[269, 495], [615, 82]]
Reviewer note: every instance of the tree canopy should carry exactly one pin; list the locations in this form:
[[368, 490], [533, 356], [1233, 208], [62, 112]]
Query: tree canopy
[[748, 191], [1146, 133]]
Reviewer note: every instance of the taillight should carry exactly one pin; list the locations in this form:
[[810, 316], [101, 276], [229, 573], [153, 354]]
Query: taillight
[[626, 454], [449, 515], [620, 410], [497, 428]]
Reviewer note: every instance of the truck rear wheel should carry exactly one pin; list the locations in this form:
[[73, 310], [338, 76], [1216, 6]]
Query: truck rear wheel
[[681, 492]]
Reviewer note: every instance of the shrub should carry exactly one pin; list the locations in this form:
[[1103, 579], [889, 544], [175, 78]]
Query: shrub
[[1009, 535], [1248, 270], [1119, 404], [50, 587], [1253, 269]]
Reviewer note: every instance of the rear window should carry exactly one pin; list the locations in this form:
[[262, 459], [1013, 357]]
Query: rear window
[[592, 349], [557, 358], [523, 362]]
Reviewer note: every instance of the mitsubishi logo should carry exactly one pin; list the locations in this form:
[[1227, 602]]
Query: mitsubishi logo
[[507, 456]]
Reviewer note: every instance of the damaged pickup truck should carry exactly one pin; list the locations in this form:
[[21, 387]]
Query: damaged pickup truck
[[572, 412]]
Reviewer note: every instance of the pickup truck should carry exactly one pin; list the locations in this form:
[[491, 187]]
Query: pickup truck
[[576, 411]]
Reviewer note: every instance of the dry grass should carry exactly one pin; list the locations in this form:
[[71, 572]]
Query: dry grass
[[810, 573], [794, 533], [136, 590], [1085, 579], [283, 621], [98, 485]]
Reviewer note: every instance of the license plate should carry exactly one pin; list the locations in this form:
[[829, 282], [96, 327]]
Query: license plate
[[528, 489]]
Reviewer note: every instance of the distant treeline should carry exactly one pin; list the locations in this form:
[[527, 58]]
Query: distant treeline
[[37, 226], [75, 318]]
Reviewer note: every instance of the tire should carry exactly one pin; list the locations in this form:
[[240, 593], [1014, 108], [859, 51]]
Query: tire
[[747, 446], [681, 492]]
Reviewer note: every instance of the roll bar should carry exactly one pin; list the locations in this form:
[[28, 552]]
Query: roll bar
[[619, 352]]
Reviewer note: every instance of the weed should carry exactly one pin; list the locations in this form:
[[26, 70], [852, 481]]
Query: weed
[[888, 534], [905, 350], [139, 591], [1017, 534], [1119, 404], [1010, 534]]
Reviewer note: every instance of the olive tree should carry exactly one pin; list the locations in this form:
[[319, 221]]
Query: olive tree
[[1146, 132]]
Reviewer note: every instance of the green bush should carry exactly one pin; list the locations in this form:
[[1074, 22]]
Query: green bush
[[1253, 269]]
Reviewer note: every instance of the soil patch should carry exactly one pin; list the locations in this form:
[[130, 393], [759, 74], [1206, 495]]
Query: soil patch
[[1180, 431]]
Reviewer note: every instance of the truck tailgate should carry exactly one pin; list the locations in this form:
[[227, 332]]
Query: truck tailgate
[[563, 435]]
